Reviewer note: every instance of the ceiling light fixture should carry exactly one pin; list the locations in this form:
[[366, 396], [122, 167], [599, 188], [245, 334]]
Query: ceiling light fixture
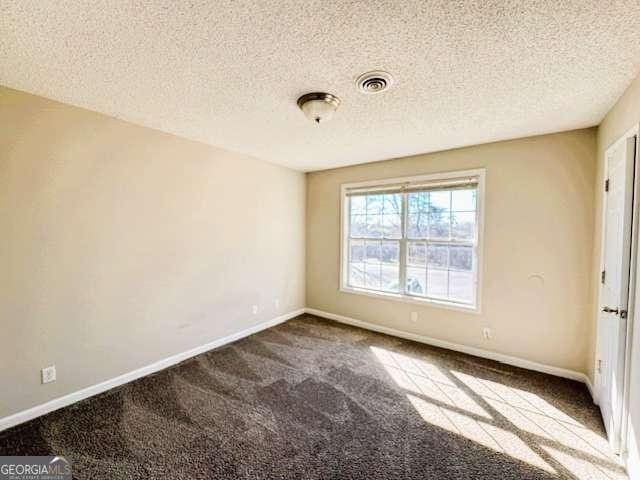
[[374, 82], [318, 106]]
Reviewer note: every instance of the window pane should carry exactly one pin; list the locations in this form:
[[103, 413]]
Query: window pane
[[438, 256], [463, 225], [461, 286], [391, 226], [372, 275], [463, 200], [437, 281], [417, 254], [358, 225], [392, 204], [417, 225], [439, 223], [440, 200], [390, 277], [417, 202], [416, 281], [390, 252], [461, 258], [356, 251], [372, 251], [374, 204], [374, 226], [358, 204], [356, 274]]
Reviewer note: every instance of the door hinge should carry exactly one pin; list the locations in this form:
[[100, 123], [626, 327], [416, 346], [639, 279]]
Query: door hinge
[[603, 275], [599, 366], [606, 185]]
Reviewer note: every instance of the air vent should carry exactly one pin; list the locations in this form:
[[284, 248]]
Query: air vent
[[374, 82]]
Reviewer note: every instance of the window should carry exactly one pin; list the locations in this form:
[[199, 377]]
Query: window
[[414, 239]]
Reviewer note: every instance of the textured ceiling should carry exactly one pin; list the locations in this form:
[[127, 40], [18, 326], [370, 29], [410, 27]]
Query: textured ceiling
[[228, 72]]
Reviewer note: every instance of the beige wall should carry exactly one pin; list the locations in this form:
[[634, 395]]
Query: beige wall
[[624, 115], [121, 245], [538, 222]]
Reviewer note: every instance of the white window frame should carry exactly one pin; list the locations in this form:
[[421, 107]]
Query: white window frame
[[432, 177]]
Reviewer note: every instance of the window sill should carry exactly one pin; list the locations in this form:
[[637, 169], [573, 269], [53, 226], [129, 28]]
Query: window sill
[[426, 302]]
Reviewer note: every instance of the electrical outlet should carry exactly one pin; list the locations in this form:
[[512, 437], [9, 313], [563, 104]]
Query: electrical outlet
[[486, 333], [276, 302], [414, 316], [49, 374], [254, 309]]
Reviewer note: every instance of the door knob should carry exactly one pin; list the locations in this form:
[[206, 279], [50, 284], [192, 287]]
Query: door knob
[[610, 310]]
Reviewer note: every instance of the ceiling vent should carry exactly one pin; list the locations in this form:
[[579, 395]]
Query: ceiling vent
[[374, 82]]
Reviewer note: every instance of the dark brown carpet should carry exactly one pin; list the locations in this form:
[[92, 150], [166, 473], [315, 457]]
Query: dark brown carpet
[[312, 399]]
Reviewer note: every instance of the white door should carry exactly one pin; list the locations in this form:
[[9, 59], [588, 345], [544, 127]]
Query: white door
[[614, 291]]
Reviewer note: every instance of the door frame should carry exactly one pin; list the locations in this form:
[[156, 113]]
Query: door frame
[[633, 267]]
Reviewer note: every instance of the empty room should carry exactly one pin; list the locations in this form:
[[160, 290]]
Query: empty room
[[319, 240]]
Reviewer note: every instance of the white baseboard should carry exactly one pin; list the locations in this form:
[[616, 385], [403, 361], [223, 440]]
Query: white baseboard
[[57, 403], [60, 402], [587, 381], [478, 352]]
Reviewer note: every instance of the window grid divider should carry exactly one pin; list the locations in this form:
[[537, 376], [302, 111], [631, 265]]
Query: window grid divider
[[402, 258]]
